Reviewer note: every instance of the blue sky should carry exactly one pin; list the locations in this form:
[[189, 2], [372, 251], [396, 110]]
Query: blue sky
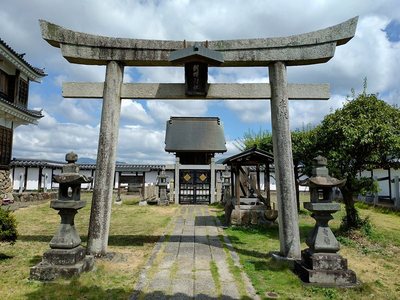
[[68, 124]]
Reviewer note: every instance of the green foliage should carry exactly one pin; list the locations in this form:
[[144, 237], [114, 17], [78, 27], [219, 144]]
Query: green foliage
[[303, 145], [363, 135], [262, 139], [367, 185], [360, 136], [8, 227]]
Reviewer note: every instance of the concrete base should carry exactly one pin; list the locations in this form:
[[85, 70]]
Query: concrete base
[[62, 263], [276, 256], [324, 269]]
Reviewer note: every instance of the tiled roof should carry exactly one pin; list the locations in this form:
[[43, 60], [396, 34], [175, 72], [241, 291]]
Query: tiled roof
[[194, 134], [250, 156], [38, 71], [33, 113], [21, 162]]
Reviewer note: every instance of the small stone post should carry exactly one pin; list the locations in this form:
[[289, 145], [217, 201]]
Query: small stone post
[[212, 180], [66, 257], [171, 191], [100, 214], [176, 180], [289, 235]]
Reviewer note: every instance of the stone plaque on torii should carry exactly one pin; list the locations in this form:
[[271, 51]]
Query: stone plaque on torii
[[274, 53]]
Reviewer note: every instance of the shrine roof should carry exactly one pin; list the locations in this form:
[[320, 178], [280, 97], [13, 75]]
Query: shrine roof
[[119, 167], [15, 112], [195, 134], [18, 58], [252, 156]]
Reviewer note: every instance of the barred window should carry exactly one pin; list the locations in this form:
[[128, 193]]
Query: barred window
[[4, 83], [5, 146], [23, 92]]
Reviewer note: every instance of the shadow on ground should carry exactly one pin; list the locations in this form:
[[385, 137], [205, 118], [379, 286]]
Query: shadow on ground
[[5, 256], [75, 290], [160, 295]]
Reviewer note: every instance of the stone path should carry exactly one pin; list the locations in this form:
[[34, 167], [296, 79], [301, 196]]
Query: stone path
[[194, 261]]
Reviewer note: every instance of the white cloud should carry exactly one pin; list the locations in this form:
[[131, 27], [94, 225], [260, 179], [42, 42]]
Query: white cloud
[[163, 110], [73, 123], [134, 111], [250, 111]]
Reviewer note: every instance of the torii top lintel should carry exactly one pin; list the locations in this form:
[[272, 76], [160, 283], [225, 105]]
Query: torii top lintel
[[303, 49]]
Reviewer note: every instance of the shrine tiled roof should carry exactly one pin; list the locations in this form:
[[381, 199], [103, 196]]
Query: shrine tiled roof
[[195, 134], [249, 157], [119, 167], [39, 72], [33, 113]]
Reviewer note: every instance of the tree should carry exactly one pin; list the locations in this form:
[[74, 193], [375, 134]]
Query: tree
[[8, 227], [363, 134], [303, 148]]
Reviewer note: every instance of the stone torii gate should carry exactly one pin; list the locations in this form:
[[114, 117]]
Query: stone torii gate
[[274, 53]]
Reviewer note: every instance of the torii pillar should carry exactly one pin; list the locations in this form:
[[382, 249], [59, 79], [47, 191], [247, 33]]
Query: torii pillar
[[283, 158], [99, 224], [275, 53]]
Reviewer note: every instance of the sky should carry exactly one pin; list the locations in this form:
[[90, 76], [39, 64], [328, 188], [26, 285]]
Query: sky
[[73, 124]]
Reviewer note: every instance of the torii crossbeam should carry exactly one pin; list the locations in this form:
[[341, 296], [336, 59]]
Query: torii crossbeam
[[274, 53]]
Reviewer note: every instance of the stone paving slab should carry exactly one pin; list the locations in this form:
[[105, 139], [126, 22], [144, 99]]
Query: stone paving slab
[[180, 264]]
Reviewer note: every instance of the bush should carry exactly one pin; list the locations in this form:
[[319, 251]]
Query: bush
[[8, 227]]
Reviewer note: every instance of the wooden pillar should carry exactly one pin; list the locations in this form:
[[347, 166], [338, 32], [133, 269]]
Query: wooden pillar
[[40, 178], [26, 170], [289, 235], [143, 182], [106, 156], [237, 186], [258, 178], [267, 183], [390, 183]]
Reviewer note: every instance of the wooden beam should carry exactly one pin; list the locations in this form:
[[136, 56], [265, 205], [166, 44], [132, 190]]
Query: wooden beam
[[253, 91]]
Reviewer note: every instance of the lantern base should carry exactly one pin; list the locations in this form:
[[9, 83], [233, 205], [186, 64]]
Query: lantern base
[[324, 269], [62, 263]]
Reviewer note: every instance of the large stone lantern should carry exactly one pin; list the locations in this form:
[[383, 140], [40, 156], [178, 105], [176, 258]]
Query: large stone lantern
[[320, 263], [226, 184], [66, 257]]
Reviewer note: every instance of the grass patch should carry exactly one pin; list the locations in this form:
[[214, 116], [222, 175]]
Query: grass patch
[[133, 232], [215, 276], [372, 253]]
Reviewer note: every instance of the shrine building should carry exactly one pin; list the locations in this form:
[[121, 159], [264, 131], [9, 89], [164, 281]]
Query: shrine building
[[15, 75], [195, 141]]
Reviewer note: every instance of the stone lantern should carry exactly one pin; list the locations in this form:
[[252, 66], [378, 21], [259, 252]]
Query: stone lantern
[[162, 187], [320, 264], [66, 257], [226, 184], [227, 200]]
